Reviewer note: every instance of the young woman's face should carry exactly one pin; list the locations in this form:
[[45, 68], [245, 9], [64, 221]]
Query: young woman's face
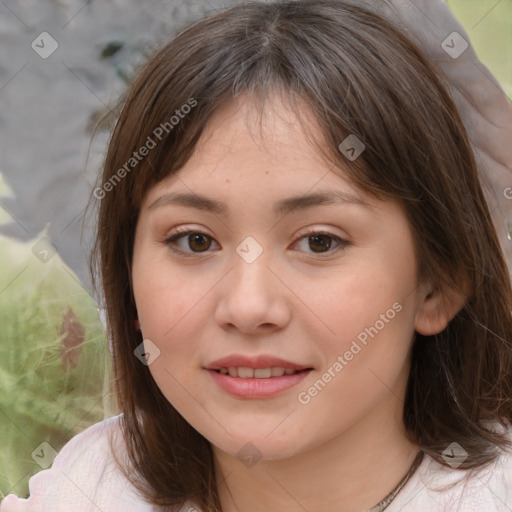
[[324, 285]]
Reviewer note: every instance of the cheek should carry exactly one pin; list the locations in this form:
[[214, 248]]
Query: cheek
[[165, 296], [167, 306], [171, 312], [349, 306], [371, 316], [168, 309]]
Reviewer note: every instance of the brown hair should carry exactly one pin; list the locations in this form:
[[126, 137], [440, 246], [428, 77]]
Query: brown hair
[[359, 75]]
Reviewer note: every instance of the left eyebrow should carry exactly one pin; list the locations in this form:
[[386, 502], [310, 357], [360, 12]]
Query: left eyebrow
[[281, 207]]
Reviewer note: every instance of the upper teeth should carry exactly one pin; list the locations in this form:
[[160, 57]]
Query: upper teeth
[[258, 373]]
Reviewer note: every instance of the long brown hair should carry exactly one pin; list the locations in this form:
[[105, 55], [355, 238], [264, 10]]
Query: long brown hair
[[359, 75]]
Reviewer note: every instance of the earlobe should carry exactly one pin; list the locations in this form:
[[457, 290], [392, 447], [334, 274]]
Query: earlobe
[[136, 323], [438, 308]]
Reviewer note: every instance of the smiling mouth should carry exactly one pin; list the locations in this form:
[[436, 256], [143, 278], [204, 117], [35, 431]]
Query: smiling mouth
[[244, 372]]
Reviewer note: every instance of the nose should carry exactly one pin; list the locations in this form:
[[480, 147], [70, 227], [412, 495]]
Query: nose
[[253, 299]]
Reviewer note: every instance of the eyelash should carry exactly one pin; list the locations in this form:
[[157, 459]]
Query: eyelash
[[171, 242]]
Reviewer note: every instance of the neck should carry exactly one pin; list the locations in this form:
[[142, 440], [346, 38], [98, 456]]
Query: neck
[[351, 472]]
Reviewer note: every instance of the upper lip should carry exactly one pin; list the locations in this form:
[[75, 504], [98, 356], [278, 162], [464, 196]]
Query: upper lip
[[262, 361]]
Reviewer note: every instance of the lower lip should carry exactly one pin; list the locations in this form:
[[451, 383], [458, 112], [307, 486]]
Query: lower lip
[[257, 388]]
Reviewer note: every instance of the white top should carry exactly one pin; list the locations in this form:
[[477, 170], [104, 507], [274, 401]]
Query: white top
[[84, 478]]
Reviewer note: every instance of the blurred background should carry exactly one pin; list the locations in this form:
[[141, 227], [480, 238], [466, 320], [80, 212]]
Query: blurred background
[[63, 66]]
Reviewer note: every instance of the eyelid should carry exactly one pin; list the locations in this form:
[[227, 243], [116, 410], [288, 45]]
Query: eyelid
[[343, 243], [181, 232]]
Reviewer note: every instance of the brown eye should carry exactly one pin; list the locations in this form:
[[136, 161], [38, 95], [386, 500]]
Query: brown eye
[[199, 242], [189, 243], [320, 243]]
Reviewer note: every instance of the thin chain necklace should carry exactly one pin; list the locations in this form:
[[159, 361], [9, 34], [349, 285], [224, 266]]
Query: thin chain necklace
[[383, 505]]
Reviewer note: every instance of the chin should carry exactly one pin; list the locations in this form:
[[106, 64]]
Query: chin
[[257, 444]]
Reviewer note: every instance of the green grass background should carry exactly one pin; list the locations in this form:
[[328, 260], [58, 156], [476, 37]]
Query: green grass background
[[39, 400]]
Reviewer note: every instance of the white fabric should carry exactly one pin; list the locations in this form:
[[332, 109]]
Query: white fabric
[[85, 478]]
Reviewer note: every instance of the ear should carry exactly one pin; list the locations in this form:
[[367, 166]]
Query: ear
[[136, 323], [438, 307]]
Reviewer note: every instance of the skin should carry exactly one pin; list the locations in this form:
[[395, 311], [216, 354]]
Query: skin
[[347, 445]]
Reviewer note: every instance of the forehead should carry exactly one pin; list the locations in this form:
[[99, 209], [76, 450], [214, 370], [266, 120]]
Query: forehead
[[262, 149]]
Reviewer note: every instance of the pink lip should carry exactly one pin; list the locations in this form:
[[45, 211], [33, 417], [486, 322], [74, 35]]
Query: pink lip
[[263, 361], [253, 387], [256, 388]]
